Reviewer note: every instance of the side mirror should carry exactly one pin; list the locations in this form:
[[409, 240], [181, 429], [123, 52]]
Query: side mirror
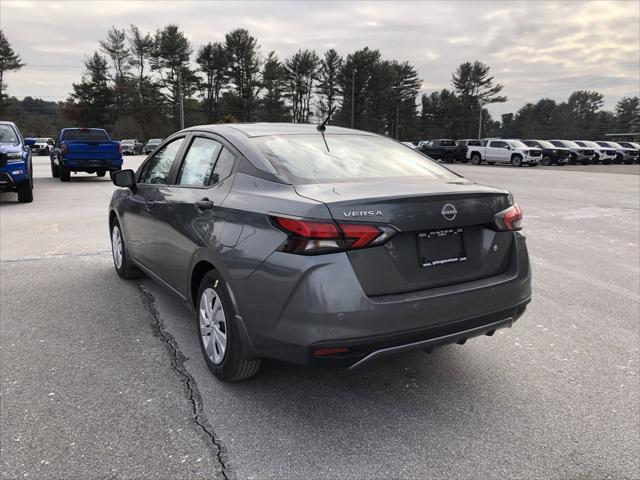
[[124, 178], [29, 141], [508, 147]]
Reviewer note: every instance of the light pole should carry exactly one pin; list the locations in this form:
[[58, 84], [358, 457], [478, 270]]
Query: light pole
[[480, 123], [353, 93], [181, 101]]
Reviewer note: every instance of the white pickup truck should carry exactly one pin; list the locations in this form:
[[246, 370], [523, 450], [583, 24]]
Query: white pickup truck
[[504, 151]]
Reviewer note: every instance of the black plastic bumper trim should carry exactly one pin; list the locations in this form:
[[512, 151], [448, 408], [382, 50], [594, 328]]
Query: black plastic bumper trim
[[434, 342]]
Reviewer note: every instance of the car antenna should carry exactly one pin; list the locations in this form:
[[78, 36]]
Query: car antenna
[[322, 127]]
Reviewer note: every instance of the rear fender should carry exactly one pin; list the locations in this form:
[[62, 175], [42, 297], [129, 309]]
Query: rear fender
[[205, 255]]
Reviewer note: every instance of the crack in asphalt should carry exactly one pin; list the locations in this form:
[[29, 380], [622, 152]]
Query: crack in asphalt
[[177, 364]]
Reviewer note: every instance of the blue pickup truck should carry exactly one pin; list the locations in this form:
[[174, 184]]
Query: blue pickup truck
[[16, 174], [85, 150]]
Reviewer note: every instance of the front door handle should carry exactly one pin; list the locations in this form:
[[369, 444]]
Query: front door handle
[[204, 204]]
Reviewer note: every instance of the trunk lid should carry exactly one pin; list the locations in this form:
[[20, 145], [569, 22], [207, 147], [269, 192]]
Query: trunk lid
[[421, 254]]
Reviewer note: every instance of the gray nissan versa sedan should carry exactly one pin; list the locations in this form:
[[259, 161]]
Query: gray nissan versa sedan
[[319, 247]]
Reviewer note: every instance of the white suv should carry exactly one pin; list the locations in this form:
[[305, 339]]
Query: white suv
[[510, 151]]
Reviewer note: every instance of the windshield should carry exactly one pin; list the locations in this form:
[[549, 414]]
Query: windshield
[[447, 143], [590, 144], [8, 135], [545, 144], [516, 143], [567, 143], [304, 159], [85, 135], [127, 141], [609, 144]]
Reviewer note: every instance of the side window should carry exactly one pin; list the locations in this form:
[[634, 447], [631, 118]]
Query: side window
[[499, 144], [158, 168], [223, 167], [199, 162]]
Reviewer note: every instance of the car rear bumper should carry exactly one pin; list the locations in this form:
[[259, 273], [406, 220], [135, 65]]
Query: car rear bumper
[[325, 307], [92, 164]]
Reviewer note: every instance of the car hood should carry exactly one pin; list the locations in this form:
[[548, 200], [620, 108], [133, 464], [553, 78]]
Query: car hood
[[8, 148]]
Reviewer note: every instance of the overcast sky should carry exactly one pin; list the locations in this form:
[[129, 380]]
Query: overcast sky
[[535, 49]]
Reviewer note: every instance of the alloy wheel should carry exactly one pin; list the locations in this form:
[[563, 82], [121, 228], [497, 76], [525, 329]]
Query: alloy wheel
[[213, 325], [116, 247]]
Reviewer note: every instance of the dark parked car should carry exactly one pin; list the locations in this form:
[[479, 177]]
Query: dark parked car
[[441, 149], [16, 171], [85, 150], [151, 145], [460, 152], [635, 149], [551, 154], [131, 146], [578, 154], [313, 248]]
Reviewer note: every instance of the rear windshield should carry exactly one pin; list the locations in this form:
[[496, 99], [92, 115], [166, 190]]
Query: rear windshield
[[8, 135], [155, 140], [304, 159], [85, 135]]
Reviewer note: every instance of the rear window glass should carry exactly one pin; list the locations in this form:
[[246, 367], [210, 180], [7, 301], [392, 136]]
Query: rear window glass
[[85, 136], [304, 159]]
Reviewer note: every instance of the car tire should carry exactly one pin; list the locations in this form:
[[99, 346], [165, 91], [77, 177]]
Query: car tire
[[516, 161], [101, 173], [448, 158], [546, 160], [65, 173], [25, 191], [55, 171], [476, 159], [124, 266], [219, 333]]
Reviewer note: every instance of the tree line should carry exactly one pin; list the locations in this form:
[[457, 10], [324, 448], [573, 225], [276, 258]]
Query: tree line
[[144, 84]]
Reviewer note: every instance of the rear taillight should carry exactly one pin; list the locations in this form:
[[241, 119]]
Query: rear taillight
[[120, 147], [63, 148], [314, 237], [510, 219]]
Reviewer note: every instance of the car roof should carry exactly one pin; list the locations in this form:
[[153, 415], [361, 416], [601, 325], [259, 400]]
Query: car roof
[[267, 129]]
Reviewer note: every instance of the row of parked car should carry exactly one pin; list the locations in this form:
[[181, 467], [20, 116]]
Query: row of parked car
[[128, 146], [519, 152]]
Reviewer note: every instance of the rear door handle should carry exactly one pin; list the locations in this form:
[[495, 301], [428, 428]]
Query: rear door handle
[[204, 204]]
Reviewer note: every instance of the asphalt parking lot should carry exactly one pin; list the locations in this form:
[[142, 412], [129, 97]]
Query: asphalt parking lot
[[103, 378]]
